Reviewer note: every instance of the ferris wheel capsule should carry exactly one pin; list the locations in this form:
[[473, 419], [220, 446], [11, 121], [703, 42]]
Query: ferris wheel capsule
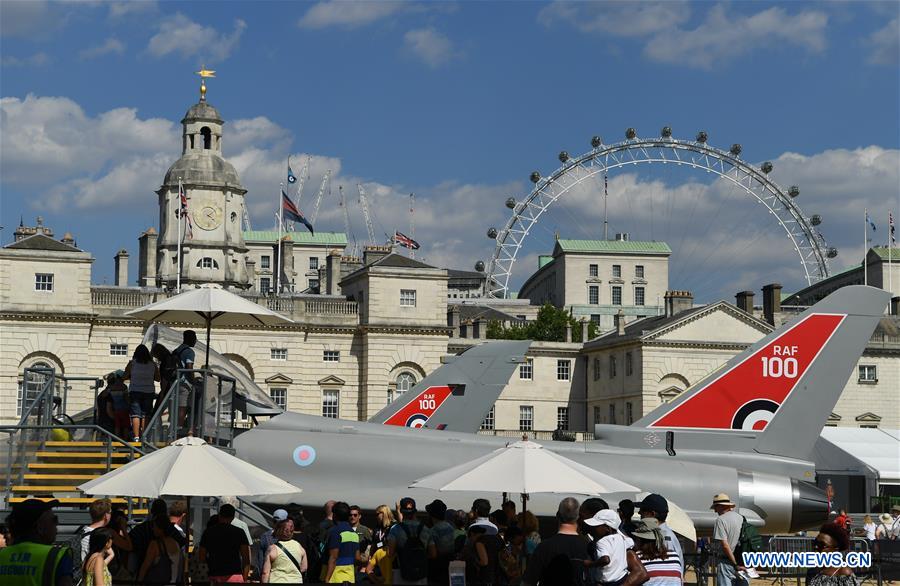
[[479, 266], [766, 167], [793, 191], [831, 252], [702, 136], [630, 133], [563, 156], [511, 203], [492, 233], [815, 220], [736, 149], [666, 132], [596, 141], [535, 176]]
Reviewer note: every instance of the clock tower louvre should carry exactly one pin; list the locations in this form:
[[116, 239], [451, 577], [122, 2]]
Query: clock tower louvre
[[212, 246]]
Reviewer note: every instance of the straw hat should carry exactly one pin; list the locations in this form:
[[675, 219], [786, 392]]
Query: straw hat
[[723, 500]]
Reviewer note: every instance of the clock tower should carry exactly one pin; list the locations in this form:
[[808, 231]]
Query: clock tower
[[212, 241]]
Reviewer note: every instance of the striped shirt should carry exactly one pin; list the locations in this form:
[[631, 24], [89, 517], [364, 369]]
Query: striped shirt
[[667, 572]]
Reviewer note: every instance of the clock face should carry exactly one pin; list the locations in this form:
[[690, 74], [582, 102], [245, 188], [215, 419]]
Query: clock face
[[208, 217]]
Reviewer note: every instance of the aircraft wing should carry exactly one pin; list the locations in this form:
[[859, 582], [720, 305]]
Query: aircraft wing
[[459, 394]]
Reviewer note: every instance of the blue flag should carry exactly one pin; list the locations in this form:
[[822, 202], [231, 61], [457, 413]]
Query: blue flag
[[290, 212], [871, 223], [291, 177]]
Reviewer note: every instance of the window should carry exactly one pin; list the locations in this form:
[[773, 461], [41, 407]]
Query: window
[[629, 414], [526, 418], [593, 295], [639, 271], [595, 318], [638, 295], [562, 418], [596, 369], [563, 370], [596, 414], [279, 396], [526, 369], [593, 271], [612, 367], [330, 404], [30, 388], [265, 284], [278, 354], [488, 421], [868, 373], [331, 355], [118, 349], [612, 413], [314, 263], [265, 262], [407, 297], [617, 271], [616, 295], [405, 382], [629, 368], [207, 263], [314, 284], [43, 282]]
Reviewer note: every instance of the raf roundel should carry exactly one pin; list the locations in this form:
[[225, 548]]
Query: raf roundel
[[417, 420], [304, 455]]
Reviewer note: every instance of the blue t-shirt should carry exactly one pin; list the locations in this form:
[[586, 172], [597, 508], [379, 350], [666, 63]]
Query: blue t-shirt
[[343, 538], [185, 356]]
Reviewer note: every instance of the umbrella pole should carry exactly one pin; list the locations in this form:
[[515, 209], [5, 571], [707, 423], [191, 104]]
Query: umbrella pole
[[524, 501]]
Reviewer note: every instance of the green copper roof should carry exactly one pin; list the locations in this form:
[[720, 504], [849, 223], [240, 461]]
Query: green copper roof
[[544, 260], [882, 251], [304, 237], [614, 246]]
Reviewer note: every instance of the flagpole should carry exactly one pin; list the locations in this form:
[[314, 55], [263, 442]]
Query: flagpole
[[865, 246], [605, 198], [280, 224], [890, 255], [412, 223], [180, 220]]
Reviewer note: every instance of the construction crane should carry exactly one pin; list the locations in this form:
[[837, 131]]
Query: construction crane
[[319, 196], [246, 218], [301, 180], [364, 203], [347, 230]]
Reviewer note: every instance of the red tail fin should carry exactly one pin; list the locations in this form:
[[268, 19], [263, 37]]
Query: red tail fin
[[417, 412]]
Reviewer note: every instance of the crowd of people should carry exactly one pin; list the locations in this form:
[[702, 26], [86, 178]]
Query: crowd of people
[[592, 545], [130, 398]]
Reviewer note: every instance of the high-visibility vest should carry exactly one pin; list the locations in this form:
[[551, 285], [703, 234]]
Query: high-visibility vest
[[30, 564]]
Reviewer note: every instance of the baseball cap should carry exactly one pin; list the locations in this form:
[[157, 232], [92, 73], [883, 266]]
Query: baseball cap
[[606, 517], [26, 513], [407, 505], [280, 515], [722, 499], [436, 509], [654, 502]]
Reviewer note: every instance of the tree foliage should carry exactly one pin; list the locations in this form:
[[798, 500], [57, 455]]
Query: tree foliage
[[550, 326]]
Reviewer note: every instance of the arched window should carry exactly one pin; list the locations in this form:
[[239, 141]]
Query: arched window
[[207, 137], [207, 263], [405, 381]]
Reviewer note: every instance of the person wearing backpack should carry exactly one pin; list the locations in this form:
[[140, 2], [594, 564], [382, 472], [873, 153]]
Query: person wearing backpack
[[410, 541], [727, 535], [342, 547]]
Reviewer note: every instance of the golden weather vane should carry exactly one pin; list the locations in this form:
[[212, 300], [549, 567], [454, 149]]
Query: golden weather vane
[[204, 73]]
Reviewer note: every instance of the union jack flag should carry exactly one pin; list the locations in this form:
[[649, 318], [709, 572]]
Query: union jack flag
[[891, 222], [405, 241]]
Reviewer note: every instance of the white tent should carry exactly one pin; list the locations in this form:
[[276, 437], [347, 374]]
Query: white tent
[[877, 448]]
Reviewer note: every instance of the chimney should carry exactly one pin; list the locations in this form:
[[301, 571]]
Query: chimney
[[568, 333], [478, 328], [745, 301], [122, 268], [251, 271], [678, 301], [584, 330], [895, 305], [771, 301], [453, 320], [147, 258], [68, 239], [464, 329], [333, 272], [620, 323], [373, 253], [287, 254]]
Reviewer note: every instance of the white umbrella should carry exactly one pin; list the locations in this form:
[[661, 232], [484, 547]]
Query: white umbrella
[[188, 467], [208, 306], [527, 468], [677, 520]]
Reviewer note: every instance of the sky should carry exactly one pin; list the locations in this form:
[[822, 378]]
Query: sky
[[459, 103]]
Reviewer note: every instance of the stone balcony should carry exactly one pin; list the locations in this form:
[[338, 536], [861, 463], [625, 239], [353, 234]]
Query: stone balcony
[[303, 309]]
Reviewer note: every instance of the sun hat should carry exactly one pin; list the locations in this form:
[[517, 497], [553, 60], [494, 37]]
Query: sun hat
[[722, 499], [885, 518]]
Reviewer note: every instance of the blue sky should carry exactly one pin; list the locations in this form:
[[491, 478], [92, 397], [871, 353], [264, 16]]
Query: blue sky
[[459, 102]]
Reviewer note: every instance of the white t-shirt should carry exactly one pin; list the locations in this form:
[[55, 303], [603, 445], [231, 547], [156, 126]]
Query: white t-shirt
[[870, 530], [615, 547]]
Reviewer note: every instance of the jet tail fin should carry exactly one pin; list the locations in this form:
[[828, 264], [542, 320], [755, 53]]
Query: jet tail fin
[[459, 394], [785, 385]]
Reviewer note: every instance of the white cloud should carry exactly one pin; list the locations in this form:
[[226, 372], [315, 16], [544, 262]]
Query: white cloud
[[37, 60], [24, 19], [111, 46], [722, 37], [179, 34], [618, 18], [430, 46], [124, 9], [348, 14], [885, 44]]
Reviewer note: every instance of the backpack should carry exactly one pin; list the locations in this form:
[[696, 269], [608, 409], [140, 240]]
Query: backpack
[[749, 539], [413, 558]]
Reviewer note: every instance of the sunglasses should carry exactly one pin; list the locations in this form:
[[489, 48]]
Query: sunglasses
[[354, 514]]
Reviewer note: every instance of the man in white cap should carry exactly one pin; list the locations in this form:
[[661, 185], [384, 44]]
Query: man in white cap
[[268, 538], [611, 563], [726, 535]]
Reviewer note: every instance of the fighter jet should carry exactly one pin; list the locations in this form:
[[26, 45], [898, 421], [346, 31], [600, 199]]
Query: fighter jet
[[747, 429]]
